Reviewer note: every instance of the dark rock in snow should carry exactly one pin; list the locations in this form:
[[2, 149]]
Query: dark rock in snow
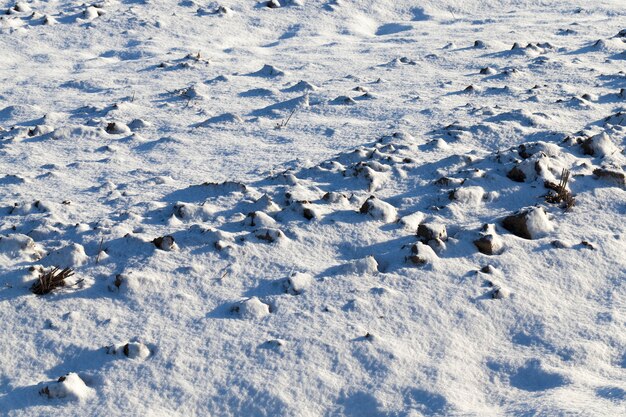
[[516, 174], [489, 242], [430, 231], [528, 223]]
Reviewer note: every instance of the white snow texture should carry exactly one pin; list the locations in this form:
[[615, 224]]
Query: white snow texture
[[313, 208]]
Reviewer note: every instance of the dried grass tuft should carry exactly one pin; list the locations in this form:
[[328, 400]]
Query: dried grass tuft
[[561, 194], [51, 280]]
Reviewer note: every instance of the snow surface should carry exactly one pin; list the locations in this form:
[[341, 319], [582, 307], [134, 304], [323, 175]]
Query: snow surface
[[202, 167]]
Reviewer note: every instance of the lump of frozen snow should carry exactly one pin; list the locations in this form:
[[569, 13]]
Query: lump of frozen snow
[[619, 118], [365, 266], [17, 246], [334, 197], [305, 209], [301, 86], [22, 7], [273, 4], [252, 308], [92, 12], [599, 145], [259, 218], [132, 350], [117, 128], [268, 71], [438, 245], [69, 386], [138, 124], [266, 204], [269, 234], [422, 254], [379, 210], [472, 195], [70, 256], [529, 223], [298, 282], [412, 221], [499, 292], [222, 118], [193, 212], [343, 100]]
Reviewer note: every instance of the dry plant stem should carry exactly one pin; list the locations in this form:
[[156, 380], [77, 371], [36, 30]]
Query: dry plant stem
[[562, 194], [51, 280]]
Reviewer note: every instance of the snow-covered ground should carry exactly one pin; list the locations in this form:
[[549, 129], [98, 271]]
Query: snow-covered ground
[[327, 208]]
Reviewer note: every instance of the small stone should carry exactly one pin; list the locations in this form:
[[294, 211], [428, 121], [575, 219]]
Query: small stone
[[516, 174], [489, 242], [488, 269]]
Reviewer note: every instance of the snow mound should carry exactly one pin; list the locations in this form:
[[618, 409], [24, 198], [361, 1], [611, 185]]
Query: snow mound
[[220, 119], [70, 386], [599, 145], [379, 210], [117, 128], [259, 219], [422, 254], [252, 309], [471, 196], [298, 283], [69, 256], [365, 266], [18, 246], [268, 71], [132, 350], [193, 212], [270, 235], [412, 221]]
